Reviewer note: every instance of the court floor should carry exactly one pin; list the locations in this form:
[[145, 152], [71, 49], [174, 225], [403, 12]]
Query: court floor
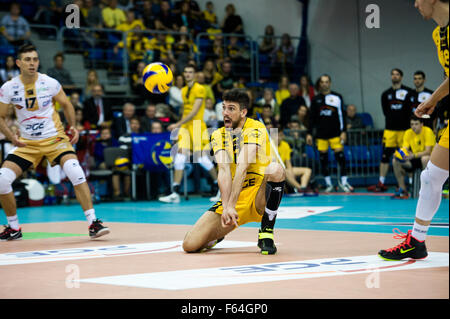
[[327, 249]]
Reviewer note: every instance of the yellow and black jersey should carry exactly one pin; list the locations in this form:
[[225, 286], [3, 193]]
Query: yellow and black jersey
[[253, 132], [190, 95], [441, 39]]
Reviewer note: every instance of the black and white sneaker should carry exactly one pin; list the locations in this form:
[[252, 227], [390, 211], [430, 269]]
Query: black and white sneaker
[[97, 229], [10, 234]]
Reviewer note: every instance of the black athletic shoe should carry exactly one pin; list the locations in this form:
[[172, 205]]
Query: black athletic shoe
[[409, 248], [11, 234], [266, 242], [97, 229]]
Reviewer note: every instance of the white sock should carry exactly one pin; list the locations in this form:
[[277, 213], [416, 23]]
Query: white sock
[[419, 232], [13, 222], [272, 213], [343, 180], [90, 215], [328, 180], [382, 179]]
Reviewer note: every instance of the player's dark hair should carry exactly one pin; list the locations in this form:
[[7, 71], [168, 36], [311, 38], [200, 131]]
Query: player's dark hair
[[420, 73], [444, 1], [415, 118], [58, 55], [190, 65], [25, 49], [398, 70], [239, 96]]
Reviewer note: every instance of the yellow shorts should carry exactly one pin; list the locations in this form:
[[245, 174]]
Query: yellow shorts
[[334, 143], [393, 138], [50, 148], [193, 136], [245, 205], [443, 141]]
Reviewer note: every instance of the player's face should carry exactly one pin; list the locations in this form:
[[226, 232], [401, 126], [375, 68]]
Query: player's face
[[396, 77], [324, 84], [28, 63], [188, 74], [232, 114], [425, 8], [418, 80], [416, 126]]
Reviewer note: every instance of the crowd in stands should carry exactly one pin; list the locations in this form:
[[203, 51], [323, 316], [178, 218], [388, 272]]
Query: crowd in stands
[[286, 107]]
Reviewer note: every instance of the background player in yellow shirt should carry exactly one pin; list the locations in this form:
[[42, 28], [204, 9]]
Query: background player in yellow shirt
[[192, 134], [251, 185], [292, 172], [419, 141], [434, 176]]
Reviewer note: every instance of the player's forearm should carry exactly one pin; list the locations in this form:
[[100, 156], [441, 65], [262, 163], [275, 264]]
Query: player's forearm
[[236, 186], [69, 113], [225, 181], [440, 92]]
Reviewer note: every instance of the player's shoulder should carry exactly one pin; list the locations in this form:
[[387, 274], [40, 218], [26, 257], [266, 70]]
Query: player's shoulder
[[251, 123], [427, 130], [436, 34], [45, 78], [218, 132], [15, 81]]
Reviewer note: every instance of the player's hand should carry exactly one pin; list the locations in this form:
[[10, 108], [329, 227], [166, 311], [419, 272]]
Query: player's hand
[[425, 108], [17, 142], [229, 217], [171, 127], [74, 135], [343, 137]]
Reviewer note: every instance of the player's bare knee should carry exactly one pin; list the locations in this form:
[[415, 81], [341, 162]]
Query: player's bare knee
[[275, 172], [190, 245]]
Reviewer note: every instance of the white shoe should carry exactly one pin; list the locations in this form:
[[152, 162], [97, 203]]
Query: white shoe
[[173, 198], [329, 189], [346, 187], [215, 198]]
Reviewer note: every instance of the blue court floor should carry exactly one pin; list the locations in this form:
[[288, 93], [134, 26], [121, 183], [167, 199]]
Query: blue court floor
[[355, 213]]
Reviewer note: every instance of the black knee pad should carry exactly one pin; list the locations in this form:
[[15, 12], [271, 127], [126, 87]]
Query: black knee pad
[[387, 154], [340, 158]]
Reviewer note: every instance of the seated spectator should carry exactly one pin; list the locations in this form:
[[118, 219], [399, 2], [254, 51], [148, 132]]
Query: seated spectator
[[238, 53], [296, 138], [306, 90], [146, 13], [175, 98], [290, 105], [161, 49], [97, 110], [232, 22], [216, 51], [209, 116], [200, 78], [283, 89], [137, 46], [92, 14], [226, 81], [130, 23], [292, 172], [354, 121], [419, 141], [283, 58], [149, 118], [9, 71], [137, 84], [184, 17], [59, 73], [105, 140], [267, 114], [79, 123], [122, 124], [91, 80], [165, 20], [16, 29], [268, 43], [157, 127], [210, 73], [74, 98], [269, 99], [183, 49], [112, 15], [210, 16], [303, 117], [48, 13]]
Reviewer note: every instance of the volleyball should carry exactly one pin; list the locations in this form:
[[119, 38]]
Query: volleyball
[[161, 153], [157, 78], [121, 163], [401, 154]]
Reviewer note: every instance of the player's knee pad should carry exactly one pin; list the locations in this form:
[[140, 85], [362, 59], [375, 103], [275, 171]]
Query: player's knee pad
[[179, 161], [206, 163], [431, 180], [74, 172], [7, 177], [387, 153]]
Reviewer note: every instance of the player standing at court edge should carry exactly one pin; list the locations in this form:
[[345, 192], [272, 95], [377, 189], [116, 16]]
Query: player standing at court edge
[[41, 135], [436, 173]]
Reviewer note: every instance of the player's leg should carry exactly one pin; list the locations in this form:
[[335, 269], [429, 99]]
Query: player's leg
[[72, 169], [267, 201], [400, 174], [338, 149], [208, 229], [389, 144], [322, 147], [304, 173], [432, 179], [8, 173]]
